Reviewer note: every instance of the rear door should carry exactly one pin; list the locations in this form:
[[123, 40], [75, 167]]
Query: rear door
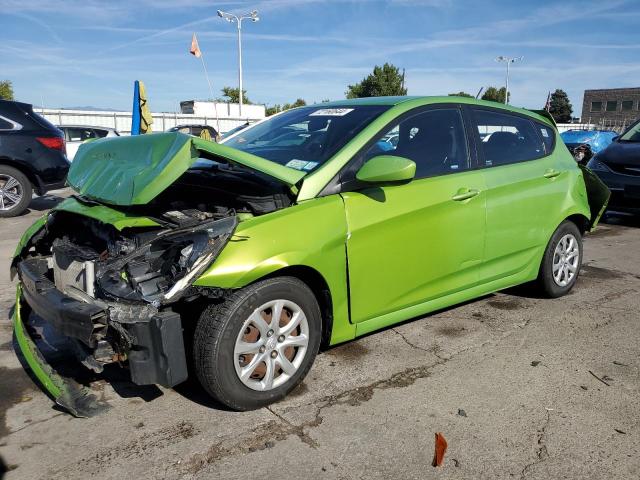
[[525, 188], [418, 241]]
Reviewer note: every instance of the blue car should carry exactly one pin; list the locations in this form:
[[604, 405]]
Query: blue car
[[598, 140]]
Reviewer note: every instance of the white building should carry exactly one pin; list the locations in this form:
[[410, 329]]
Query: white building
[[202, 113]]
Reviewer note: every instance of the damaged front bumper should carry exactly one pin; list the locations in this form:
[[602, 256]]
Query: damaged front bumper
[[66, 393], [155, 347], [143, 329]]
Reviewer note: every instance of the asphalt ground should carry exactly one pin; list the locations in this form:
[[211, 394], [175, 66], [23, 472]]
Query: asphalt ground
[[521, 387]]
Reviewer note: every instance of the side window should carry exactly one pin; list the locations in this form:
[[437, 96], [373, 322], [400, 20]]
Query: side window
[[5, 125], [79, 134], [507, 138], [100, 133], [548, 136], [435, 140]]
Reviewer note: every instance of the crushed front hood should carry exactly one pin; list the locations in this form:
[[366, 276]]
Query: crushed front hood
[[134, 170]]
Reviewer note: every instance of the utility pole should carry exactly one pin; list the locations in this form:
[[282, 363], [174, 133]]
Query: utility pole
[[231, 18], [509, 61]]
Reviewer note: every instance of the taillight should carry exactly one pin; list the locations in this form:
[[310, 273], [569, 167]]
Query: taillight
[[54, 143]]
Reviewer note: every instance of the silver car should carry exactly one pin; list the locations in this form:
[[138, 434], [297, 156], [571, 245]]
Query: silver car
[[76, 134]]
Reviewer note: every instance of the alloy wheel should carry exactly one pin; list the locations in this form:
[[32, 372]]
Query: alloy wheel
[[565, 260], [10, 192], [271, 345]]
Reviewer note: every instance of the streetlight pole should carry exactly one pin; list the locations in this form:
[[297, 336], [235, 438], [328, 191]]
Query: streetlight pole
[[231, 18], [509, 61]]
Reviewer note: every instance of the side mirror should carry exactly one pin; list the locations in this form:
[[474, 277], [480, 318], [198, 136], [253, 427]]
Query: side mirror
[[387, 168]]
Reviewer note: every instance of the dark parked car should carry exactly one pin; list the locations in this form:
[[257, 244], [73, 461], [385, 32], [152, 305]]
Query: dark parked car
[[619, 167], [32, 157]]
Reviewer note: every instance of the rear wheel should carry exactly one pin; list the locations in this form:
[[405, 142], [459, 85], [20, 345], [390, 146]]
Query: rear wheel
[[15, 192], [258, 344], [562, 260]]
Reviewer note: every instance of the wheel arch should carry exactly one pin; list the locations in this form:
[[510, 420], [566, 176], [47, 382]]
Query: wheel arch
[[581, 221], [20, 166], [320, 289]]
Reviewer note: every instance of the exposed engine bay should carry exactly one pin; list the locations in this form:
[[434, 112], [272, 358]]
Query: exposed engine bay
[[113, 292]]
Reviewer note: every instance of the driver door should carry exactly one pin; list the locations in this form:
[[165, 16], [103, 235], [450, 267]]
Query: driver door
[[414, 242]]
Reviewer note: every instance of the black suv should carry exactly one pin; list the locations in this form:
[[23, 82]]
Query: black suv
[[32, 157]]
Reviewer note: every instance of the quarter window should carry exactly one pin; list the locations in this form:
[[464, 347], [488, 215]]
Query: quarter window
[[4, 125], [435, 140], [612, 105], [548, 136], [596, 106], [507, 138]]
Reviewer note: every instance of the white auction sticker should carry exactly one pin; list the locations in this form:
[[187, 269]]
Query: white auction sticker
[[297, 164], [331, 112]]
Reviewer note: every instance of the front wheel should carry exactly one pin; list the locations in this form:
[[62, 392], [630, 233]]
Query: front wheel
[[561, 261], [258, 344]]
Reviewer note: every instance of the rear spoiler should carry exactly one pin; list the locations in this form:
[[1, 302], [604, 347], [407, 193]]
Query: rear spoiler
[[547, 115]]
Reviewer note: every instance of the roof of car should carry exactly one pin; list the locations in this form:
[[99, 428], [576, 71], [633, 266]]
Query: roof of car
[[392, 101]]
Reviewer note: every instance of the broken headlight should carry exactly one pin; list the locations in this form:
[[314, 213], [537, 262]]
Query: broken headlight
[[159, 270]]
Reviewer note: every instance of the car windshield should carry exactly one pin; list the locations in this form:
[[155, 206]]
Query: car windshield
[[632, 135], [305, 138]]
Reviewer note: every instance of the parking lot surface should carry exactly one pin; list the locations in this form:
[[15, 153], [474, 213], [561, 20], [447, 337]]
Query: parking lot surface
[[521, 387]]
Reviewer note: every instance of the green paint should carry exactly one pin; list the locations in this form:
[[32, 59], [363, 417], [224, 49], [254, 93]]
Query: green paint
[[134, 170], [105, 214], [387, 168], [51, 382], [30, 232]]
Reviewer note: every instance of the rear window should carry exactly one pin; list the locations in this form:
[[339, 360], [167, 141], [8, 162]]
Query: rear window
[[507, 138]]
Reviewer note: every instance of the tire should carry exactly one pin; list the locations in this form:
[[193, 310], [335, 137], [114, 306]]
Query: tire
[[17, 198], [555, 284], [218, 343]]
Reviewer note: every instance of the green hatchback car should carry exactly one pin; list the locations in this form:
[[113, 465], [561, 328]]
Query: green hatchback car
[[310, 228]]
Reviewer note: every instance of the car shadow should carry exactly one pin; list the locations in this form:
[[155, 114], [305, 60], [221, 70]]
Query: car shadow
[[45, 202], [621, 219]]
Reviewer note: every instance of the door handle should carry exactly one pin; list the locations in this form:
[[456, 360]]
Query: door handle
[[551, 173], [464, 194]]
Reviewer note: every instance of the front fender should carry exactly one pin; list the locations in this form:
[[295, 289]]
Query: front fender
[[310, 234]]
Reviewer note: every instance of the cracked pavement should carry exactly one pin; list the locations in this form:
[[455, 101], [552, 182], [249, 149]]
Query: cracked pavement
[[519, 366]]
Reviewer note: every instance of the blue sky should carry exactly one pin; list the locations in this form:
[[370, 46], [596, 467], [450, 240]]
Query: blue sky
[[88, 52]]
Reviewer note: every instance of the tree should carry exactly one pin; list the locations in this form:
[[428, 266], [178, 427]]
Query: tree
[[494, 94], [384, 81], [6, 90], [560, 107], [281, 108], [233, 96], [461, 94]]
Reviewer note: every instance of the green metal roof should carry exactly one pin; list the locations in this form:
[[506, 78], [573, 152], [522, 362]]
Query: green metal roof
[[425, 100]]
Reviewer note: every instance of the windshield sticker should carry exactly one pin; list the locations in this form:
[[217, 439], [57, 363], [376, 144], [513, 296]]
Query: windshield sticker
[[297, 164], [544, 132], [331, 112], [310, 166]]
